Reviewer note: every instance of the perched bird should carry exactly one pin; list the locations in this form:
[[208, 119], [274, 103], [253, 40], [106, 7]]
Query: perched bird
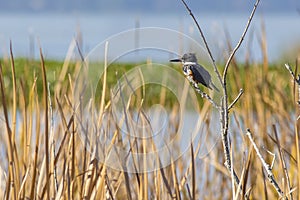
[[194, 72]]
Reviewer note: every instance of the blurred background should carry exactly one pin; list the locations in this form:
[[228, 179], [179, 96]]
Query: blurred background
[[268, 106], [55, 23]]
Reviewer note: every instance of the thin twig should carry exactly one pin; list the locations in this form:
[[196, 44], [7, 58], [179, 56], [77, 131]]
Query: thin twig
[[296, 79], [236, 99], [240, 41], [206, 96], [266, 166]]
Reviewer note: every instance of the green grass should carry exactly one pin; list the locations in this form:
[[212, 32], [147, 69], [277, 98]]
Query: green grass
[[27, 70]]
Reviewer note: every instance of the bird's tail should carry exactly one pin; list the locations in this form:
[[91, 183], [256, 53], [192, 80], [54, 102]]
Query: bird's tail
[[213, 86]]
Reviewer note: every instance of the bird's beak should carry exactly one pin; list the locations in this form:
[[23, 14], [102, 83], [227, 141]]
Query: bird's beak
[[176, 60]]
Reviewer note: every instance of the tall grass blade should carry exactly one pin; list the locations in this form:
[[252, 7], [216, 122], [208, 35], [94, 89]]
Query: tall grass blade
[[11, 176], [46, 123]]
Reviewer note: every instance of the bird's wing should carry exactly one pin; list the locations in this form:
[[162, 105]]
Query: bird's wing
[[201, 75]]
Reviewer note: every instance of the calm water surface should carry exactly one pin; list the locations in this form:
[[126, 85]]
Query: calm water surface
[[55, 31]]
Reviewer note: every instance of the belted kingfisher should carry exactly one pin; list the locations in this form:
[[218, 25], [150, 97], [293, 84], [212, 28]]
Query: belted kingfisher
[[194, 72]]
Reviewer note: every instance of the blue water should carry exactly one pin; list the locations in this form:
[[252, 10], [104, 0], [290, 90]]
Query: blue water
[[54, 32]]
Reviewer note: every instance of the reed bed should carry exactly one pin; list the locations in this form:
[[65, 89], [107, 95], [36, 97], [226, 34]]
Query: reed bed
[[43, 156]]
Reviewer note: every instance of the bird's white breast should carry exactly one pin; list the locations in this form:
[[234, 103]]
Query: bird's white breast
[[186, 70], [189, 74]]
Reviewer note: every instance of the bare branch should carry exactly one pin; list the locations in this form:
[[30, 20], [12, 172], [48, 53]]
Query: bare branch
[[296, 79], [240, 41], [267, 167], [206, 96], [225, 108], [236, 99]]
